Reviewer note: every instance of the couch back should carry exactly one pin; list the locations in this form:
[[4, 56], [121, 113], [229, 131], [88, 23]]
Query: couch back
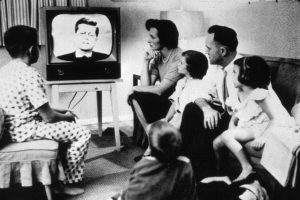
[[285, 79]]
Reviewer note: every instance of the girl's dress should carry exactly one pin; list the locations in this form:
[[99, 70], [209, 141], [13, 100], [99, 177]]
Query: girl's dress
[[251, 115]]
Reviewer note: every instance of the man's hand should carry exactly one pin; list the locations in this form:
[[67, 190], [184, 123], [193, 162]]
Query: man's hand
[[211, 118]]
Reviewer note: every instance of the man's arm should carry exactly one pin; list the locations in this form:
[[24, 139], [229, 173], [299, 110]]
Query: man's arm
[[50, 115], [211, 116]]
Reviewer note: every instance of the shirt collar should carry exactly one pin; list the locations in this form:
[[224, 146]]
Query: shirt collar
[[229, 67], [18, 62], [80, 54]]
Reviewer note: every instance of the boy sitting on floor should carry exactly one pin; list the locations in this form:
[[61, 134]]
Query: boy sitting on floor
[[164, 174]]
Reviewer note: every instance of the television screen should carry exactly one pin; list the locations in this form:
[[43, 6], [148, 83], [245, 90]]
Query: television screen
[[81, 34], [82, 43]]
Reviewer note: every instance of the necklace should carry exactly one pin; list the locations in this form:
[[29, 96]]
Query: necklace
[[167, 58]]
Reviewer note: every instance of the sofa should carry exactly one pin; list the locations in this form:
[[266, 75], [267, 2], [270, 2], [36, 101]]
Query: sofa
[[285, 80]]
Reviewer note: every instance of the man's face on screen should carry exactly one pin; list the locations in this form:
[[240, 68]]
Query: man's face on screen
[[86, 37]]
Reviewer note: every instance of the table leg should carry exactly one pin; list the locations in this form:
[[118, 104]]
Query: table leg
[[114, 105], [55, 96], [99, 112], [48, 192]]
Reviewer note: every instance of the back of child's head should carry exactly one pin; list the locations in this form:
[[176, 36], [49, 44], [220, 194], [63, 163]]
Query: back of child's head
[[18, 39], [254, 72], [197, 63], [165, 141]]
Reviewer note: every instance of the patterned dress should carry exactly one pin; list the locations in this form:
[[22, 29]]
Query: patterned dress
[[22, 93]]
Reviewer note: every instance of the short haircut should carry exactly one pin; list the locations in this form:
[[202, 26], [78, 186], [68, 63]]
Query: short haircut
[[254, 72], [197, 63], [167, 32], [18, 39], [87, 21], [165, 141], [225, 36]]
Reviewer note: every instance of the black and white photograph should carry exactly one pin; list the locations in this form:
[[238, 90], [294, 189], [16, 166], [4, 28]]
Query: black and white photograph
[[149, 99]]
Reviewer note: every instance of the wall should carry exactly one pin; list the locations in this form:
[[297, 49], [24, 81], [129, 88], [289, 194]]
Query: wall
[[265, 28]]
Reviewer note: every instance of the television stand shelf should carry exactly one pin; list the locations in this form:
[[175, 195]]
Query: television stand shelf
[[56, 87]]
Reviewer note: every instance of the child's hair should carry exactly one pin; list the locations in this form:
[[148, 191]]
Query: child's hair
[[165, 141], [197, 63], [18, 39], [254, 72]]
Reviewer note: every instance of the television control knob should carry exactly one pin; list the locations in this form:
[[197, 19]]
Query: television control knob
[[107, 70], [60, 72]]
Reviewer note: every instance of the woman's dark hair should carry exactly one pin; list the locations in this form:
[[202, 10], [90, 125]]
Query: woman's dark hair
[[167, 32], [165, 141], [197, 63], [225, 36], [254, 72], [18, 39]]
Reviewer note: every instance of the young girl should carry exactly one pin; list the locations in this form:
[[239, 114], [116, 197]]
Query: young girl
[[256, 112], [193, 66]]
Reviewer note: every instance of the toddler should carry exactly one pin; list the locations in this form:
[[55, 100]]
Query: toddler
[[164, 174]]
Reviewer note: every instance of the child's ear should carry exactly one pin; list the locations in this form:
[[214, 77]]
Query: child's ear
[[30, 50]]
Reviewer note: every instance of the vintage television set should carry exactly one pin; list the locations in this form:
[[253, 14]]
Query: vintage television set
[[82, 43]]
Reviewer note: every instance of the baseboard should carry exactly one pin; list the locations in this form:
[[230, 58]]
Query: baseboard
[[108, 119]]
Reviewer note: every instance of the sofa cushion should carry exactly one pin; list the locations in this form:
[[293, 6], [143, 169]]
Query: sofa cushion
[[285, 78], [33, 150], [286, 83]]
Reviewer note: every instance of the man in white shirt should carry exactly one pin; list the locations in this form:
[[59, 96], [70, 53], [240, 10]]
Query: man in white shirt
[[206, 118]]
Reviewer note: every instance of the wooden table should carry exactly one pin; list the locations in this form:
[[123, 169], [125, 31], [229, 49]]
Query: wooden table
[[56, 87]]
